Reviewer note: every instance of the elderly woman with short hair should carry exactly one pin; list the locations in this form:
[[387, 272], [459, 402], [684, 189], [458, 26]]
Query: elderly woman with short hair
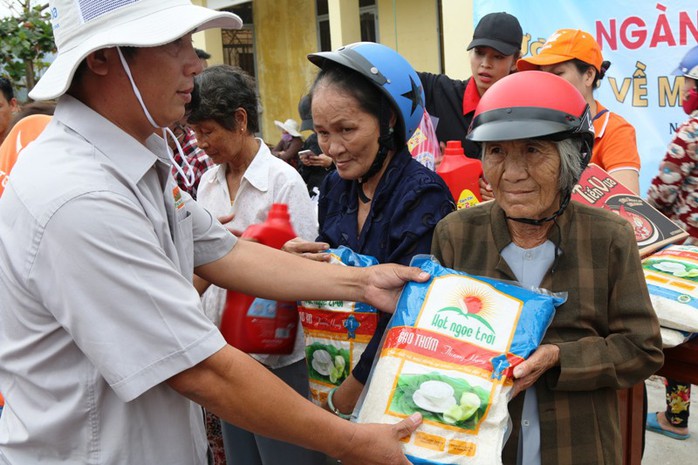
[[536, 138], [245, 182]]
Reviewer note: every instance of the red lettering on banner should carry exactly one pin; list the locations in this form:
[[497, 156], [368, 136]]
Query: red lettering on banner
[[634, 31], [603, 33], [685, 25], [662, 32], [639, 35], [437, 346]]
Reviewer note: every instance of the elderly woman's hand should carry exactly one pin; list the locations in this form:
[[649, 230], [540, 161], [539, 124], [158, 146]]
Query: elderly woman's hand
[[485, 190], [225, 219], [312, 250], [528, 372]]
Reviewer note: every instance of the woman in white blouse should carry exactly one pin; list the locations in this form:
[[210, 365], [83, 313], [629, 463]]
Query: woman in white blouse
[[245, 182]]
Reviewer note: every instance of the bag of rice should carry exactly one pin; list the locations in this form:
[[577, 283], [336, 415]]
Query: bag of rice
[[336, 332], [448, 353], [672, 281], [673, 337]]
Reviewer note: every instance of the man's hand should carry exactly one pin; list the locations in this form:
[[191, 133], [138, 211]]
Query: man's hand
[[385, 282], [373, 444], [528, 372], [312, 250]]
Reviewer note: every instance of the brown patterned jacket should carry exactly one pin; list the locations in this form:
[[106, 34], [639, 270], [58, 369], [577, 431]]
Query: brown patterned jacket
[[607, 330]]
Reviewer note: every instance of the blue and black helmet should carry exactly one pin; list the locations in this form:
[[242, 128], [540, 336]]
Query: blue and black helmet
[[388, 71], [689, 64]]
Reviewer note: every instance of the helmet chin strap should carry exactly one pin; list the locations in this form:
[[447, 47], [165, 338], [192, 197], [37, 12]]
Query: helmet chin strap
[[166, 132], [375, 168], [386, 143], [563, 204]]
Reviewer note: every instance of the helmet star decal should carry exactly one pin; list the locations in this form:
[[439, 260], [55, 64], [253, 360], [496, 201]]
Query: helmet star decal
[[414, 95]]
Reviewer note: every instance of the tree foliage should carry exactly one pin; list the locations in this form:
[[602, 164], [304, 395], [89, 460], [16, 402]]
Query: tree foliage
[[26, 39]]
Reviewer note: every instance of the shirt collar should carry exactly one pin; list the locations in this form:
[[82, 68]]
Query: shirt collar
[[601, 120], [500, 230], [471, 97], [257, 173], [129, 156]]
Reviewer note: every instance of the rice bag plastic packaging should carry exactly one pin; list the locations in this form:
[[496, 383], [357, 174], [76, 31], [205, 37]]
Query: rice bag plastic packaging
[[448, 353], [674, 337], [336, 332], [672, 281]]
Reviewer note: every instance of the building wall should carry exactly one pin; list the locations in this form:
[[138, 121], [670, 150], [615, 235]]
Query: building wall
[[411, 28], [458, 32], [285, 32]]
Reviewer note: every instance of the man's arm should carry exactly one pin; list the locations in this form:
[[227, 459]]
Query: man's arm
[[239, 390], [271, 274]]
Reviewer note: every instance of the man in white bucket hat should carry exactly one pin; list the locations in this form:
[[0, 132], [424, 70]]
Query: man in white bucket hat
[[104, 350]]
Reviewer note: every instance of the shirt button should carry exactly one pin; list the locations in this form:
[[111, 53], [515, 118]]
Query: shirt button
[[525, 423], [528, 255]]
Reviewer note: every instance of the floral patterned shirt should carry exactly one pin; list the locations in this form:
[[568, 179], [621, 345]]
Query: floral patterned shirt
[[674, 189], [196, 157]]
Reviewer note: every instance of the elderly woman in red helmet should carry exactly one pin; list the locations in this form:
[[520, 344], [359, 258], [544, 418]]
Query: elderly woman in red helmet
[[575, 55], [536, 138]]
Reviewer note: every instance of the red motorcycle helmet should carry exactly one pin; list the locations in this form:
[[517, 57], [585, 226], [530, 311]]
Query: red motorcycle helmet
[[533, 105]]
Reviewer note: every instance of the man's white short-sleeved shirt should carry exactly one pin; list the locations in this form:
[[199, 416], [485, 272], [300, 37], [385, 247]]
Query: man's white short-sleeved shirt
[[97, 310]]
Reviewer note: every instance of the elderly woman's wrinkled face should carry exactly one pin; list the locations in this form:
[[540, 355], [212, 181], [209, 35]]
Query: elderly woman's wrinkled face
[[221, 145], [524, 176], [346, 133]]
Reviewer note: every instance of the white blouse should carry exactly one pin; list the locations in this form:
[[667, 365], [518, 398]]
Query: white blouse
[[267, 180]]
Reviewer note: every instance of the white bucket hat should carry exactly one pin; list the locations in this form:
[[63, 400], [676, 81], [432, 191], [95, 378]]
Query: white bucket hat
[[290, 126], [81, 27]]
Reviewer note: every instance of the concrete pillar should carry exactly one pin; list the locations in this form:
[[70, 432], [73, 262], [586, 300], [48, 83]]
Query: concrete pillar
[[457, 32], [345, 27], [209, 40]]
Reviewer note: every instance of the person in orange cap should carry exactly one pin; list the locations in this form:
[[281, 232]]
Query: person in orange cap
[[574, 55]]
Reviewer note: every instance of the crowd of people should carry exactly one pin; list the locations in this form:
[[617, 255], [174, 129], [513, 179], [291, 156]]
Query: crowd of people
[[123, 200]]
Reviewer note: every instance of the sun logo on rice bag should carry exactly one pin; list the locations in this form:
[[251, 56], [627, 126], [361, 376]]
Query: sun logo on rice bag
[[336, 332], [448, 353]]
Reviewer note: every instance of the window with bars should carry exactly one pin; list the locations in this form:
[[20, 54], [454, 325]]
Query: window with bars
[[368, 18]]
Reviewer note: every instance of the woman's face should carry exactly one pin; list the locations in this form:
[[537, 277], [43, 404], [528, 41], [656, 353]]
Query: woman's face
[[489, 66], [686, 86], [220, 144], [570, 73], [346, 133], [524, 176]]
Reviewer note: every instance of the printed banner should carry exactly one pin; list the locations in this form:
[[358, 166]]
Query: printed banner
[[644, 41]]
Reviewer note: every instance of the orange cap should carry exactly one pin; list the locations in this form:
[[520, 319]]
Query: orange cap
[[565, 45]]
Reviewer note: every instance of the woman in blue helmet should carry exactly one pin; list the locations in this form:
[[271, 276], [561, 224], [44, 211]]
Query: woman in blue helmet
[[366, 103]]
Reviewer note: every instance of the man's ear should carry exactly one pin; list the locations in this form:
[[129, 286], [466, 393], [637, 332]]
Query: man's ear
[[98, 61]]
